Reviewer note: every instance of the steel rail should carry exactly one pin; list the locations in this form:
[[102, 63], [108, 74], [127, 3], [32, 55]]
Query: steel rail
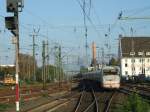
[[54, 104], [108, 102], [142, 93], [147, 89], [58, 106], [80, 100], [138, 89], [97, 110], [94, 102], [89, 106]]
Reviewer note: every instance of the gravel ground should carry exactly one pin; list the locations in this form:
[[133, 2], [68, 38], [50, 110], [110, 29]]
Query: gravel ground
[[117, 102], [26, 105], [101, 95], [37, 101], [69, 107]]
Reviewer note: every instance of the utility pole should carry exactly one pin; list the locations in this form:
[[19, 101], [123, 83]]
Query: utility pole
[[108, 44], [0, 64], [143, 62], [98, 56], [56, 61], [86, 30], [43, 70], [86, 46], [60, 64], [133, 53], [47, 50], [17, 63], [28, 68], [102, 57], [35, 34], [12, 24], [34, 76]]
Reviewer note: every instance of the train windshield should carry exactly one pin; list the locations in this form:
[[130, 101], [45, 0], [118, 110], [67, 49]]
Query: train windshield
[[110, 72]]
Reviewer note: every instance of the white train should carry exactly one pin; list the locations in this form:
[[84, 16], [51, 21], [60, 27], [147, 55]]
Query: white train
[[108, 76]]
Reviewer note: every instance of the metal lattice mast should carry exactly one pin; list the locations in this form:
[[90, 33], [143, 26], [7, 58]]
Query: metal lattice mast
[[132, 49]]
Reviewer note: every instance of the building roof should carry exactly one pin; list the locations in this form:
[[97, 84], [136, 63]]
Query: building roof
[[135, 46]]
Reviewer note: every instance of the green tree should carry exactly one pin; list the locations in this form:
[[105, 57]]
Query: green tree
[[83, 70], [52, 73], [113, 62], [26, 66]]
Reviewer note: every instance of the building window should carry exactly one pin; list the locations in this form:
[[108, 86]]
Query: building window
[[126, 65], [132, 53], [126, 72], [133, 68], [140, 60], [143, 60], [140, 53], [147, 53], [148, 60], [148, 68], [140, 68], [133, 60]]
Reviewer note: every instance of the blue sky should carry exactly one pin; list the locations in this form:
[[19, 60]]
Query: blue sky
[[62, 21]]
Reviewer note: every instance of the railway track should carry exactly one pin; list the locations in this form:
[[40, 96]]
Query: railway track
[[90, 98], [108, 102], [50, 106], [87, 102], [10, 90], [142, 91], [53, 105], [142, 87], [28, 93]]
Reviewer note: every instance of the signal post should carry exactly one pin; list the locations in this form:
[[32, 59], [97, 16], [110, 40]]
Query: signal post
[[12, 24]]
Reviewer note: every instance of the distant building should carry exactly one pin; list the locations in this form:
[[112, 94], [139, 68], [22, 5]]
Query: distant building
[[7, 69], [134, 53], [5, 66]]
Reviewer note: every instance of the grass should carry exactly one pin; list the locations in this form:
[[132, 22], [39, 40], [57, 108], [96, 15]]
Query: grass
[[134, 103], [45, 95], [3, 107]]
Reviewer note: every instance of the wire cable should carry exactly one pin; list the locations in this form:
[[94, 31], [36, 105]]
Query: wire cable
[[89, 19]]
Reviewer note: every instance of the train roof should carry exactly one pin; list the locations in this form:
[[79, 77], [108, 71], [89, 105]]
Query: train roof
[[92, 72], [110, 67]]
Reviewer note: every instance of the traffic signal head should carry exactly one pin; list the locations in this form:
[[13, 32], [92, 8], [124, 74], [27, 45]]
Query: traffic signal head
[[12, 5], [10, 23]]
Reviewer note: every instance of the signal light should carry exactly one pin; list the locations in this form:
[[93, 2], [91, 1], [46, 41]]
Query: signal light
[[10, 23], [12, 5]]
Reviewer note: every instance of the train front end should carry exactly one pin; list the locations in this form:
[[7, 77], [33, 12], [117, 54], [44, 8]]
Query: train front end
[[111, 82], [111, 78]]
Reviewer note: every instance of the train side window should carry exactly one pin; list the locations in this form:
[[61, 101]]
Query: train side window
[[133, 60], [133, 68], [126, 65], [140, 68], [148, 60], [143, 60], [148, 69]]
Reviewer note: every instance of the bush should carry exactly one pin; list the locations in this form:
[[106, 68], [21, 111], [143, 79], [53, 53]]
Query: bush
[[135, 103], [3, 107]]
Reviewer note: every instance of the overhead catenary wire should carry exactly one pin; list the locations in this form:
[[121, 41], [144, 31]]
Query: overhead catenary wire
[[38, 17], [51, 26], [136, 11], [89, 19]]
